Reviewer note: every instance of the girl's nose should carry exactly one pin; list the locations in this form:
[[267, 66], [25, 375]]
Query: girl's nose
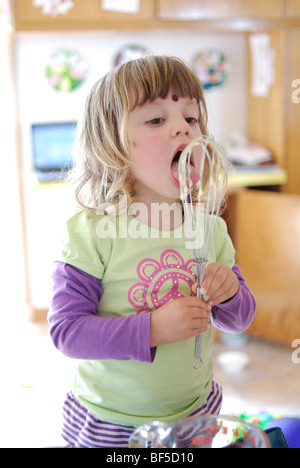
[[180, 128]]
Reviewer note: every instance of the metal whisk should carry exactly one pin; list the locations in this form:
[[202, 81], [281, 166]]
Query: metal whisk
[[202, 202]]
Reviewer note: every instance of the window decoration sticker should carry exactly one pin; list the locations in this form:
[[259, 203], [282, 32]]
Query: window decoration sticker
[[6, 13], [211, 67], [54, 7], [129, 52], [66, 70]]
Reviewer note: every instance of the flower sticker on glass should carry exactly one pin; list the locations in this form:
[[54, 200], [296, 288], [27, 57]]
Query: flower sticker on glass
[[211, 67], [53, 7], [66, 70]]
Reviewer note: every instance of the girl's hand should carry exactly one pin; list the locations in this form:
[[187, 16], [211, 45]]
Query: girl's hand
[[219, 284], [179, 320]]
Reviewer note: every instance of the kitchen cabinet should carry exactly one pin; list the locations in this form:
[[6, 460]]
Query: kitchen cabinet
[[83, 15], [293, 8], [273, 118], [267, 232], [154, 14], [217, 9], [266, 112], [292, 101]]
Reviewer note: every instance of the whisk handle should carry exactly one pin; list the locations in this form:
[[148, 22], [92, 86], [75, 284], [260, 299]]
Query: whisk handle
[[198, 341]]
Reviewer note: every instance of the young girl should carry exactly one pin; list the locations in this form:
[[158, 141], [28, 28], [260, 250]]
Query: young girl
[[124, 300]]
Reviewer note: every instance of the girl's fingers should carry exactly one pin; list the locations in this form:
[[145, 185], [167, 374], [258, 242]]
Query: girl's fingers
[[219, 284], [215, 277], [224, 292]]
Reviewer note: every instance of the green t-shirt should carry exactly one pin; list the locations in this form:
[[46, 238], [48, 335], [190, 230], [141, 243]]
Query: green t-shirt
[[140, 269]]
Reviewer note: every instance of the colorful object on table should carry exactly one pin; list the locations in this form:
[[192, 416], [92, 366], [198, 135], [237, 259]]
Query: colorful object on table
[[66, 70], [260, 419], [129, 52], [265, 420], [211, 67], [53, 7], [206, 431]]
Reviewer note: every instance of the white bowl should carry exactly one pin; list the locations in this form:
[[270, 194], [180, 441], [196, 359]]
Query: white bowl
[[232, 361]]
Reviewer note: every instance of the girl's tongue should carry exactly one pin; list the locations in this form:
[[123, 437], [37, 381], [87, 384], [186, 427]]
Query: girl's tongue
[[174, 169], [191, 171]]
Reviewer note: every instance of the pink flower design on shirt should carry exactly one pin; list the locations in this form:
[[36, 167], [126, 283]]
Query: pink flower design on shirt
[[162, 281]]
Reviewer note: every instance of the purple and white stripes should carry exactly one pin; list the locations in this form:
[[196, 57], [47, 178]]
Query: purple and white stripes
[[83, 430]]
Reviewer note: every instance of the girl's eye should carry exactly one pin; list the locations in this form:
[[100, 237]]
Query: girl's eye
[[191, 120], [156, 121]]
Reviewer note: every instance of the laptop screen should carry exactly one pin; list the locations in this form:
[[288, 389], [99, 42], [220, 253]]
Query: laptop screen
[[52, 146]]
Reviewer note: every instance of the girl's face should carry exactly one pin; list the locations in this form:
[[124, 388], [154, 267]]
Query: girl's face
[[158, 131]]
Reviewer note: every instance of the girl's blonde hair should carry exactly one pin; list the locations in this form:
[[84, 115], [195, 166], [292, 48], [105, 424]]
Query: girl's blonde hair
[[102, 150]]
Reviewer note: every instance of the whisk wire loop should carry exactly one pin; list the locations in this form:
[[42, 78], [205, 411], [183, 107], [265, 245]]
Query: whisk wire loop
[[202, 202]]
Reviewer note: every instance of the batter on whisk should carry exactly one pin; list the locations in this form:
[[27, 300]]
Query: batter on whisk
[[124, 298]]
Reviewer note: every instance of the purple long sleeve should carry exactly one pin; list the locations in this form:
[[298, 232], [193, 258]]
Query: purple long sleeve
[[78, 332], [236, 314]]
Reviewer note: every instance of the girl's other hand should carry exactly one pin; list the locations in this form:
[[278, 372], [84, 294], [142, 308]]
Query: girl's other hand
[[219, 284]]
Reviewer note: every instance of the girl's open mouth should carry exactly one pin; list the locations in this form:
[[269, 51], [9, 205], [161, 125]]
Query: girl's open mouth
[[175, 168]]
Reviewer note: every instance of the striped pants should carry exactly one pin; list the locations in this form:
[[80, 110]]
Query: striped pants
[[83, 430]]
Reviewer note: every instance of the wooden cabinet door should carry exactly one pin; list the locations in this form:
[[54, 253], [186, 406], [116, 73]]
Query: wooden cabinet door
[[293, 8], [85, 14], [260, 8], [266, 113], [267, 233], [274, 119], [292, 102], [219, 9]]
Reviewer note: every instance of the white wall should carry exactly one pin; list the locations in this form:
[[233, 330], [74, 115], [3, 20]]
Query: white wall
[[39, 102], [46, 207]]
